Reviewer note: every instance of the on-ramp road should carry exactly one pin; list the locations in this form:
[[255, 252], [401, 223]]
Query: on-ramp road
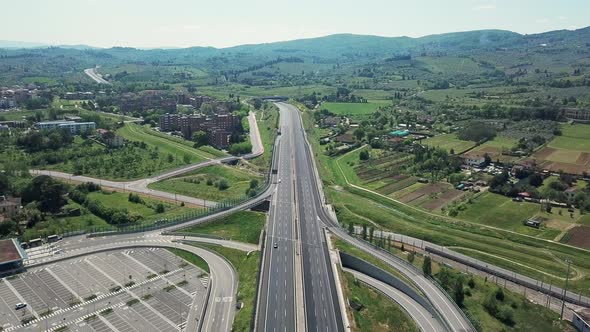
[[94, 75]]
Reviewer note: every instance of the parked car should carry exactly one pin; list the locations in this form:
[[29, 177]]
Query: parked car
[[19, 306]]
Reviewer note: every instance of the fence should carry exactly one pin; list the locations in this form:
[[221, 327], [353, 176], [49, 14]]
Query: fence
[[172, 221]]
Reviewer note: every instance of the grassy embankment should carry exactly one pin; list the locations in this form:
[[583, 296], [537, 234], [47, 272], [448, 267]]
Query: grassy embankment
[[243, 226], [89, 221], [205, 182]]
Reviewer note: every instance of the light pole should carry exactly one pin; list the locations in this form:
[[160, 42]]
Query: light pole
[[567, 278]]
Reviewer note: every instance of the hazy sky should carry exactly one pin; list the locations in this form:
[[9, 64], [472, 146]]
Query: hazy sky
[[220, 23]]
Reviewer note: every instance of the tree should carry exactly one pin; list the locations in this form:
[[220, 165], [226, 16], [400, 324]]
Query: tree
[[411, 257], [364, 155], [371, 232], [200, 138], [359, 133], [459, 293], [350, 228], [535, 180], [364, 233], [3, 183], [223, 184], [186, 158], [253, 183], [160, 208], [427, 266], [47, 192]]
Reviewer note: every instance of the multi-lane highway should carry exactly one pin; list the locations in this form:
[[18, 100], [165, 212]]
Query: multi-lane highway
[[277, 306], [295, 229], [95, 76]]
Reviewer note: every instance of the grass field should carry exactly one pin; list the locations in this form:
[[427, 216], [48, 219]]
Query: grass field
[[246, 265], [134, 132], [355, 109], [191, 258], [379, 313], [268, 120], [448, 142], [242, 226], [574, 137], [87, 220], [195, 184]]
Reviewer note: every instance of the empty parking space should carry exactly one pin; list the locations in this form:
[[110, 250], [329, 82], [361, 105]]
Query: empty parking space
[[96, 293]]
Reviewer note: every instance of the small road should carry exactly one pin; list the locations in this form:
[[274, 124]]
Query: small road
[[93, 74], [420, 315], [141, 186]]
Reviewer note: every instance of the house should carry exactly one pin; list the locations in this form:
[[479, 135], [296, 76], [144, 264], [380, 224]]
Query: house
[[110, 138], [581, 320], [570, 193], [9, 206], [331, 121], [474, 160], [345, 138]]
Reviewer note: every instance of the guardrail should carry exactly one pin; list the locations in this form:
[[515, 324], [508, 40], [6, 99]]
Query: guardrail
[[417, 271]]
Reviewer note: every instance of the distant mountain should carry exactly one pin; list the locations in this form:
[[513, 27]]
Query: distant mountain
[[7, 44]]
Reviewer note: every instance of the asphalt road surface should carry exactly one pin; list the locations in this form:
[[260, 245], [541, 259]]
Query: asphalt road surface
[[421, 316], [277, 308], [93, 74], [322, 310]]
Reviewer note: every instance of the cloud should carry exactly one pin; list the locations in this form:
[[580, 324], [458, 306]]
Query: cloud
[[485, 7]]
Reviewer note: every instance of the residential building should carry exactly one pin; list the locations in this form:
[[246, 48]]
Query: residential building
[[4, 128], [570, 193], [9, 206], [579, 114], [218, 127], [74, 127], [474, 160], [14, 124], [331, 121], [110, 138], [582, 320]]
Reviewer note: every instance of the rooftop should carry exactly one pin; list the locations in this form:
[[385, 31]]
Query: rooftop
[[9, 251]]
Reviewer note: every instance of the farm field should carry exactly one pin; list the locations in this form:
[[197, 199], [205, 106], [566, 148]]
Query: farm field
[[449, 142], [569, 152], [495, 147], [204, 183], [354, 109], [500, 211], [578, 236], [243, 226]]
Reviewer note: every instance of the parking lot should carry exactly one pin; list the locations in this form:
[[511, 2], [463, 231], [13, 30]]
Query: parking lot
[[126, 290]]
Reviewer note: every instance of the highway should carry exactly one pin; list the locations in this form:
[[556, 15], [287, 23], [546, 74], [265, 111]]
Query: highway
[[322, 310], [277, 307], [94, 75]]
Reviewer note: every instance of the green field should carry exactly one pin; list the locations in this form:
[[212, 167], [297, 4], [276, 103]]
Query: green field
[[134, 132], [448, 142], [355, 109], [191, 258], [202, 183], [500, 211], [246, 265], [574, 137], [379, 313], [242, 226], [88, 221], [268, 120]]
